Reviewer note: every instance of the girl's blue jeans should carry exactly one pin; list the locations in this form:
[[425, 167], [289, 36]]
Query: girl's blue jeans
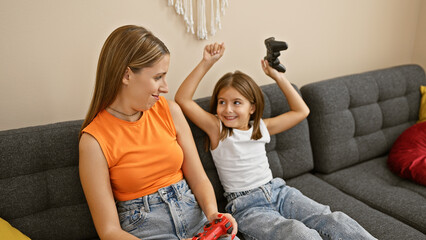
[[170, 213], [277, 211]]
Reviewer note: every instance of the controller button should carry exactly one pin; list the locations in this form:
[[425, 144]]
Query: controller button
[[227, 225]]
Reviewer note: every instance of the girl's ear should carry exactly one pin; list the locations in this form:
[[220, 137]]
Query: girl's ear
[[126, 76], [252, 109]]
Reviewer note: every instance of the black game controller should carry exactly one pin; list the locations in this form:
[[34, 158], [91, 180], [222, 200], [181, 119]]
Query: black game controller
[[273, 49]]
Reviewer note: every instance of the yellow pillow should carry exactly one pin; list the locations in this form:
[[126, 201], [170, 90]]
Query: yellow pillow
[[10, 233], [422, 111]]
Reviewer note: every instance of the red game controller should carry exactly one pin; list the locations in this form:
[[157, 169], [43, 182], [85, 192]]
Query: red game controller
[[215, 229]]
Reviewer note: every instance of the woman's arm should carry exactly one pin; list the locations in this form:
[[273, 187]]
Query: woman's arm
[[298, 108], [95, 180], [203, 119], [193, 169]]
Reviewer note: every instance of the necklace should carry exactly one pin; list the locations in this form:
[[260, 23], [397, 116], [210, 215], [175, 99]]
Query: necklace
[[124, 114]]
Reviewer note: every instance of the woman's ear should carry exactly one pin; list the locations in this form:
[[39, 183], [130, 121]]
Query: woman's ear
[[126, 76]]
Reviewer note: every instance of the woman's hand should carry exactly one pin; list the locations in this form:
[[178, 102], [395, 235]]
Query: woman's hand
[[213, 52], [270, 71], [215, 216]]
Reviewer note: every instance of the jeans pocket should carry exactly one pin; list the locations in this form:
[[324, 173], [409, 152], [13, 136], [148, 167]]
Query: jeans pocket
[[267, 192], [189, 198], [130, 220], [230, 207]]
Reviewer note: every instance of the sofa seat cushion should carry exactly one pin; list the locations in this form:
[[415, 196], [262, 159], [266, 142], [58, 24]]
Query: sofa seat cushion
[[374, 184], [322, 192], [407, 157], [67, 222]]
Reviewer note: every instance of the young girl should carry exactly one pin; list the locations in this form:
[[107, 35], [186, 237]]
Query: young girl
[[265, 208]]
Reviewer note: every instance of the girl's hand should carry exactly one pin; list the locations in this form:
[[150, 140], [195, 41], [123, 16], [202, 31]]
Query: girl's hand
[[215, 216], [213, 52], [270, 71]]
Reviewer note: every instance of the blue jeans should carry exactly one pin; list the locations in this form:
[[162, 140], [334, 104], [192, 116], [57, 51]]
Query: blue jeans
[[170, 213], [277, 211]]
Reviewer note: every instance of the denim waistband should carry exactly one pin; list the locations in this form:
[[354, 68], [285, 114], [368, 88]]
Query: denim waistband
[[175, 190], [233, 195]]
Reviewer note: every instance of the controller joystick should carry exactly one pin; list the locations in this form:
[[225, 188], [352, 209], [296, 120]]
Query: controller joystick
[[273, 49], [215, 229]]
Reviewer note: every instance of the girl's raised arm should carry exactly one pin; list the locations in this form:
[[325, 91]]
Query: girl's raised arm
[[203, 119], [298, 108]]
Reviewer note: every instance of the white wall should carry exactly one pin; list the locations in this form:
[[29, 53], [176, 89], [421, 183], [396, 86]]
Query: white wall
[[49, 48]]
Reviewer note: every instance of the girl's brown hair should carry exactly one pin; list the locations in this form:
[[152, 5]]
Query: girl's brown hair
[[127, 46], [247, 87]]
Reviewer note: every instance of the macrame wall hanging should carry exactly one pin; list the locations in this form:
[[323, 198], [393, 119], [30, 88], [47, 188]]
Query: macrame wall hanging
[[184, 8]]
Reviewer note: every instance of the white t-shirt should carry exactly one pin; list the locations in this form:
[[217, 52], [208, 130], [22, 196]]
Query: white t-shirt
[[241, 162]]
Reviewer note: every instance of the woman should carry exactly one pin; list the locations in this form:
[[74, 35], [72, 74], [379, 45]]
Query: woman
[[137, 154]]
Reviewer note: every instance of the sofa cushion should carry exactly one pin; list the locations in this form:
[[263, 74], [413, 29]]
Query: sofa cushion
[[289, 153], [373, 183], [358, 117], [375, 222], [40, 192], [407, 158]]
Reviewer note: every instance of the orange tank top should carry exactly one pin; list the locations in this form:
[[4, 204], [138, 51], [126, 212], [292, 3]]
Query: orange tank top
[[142, 156]]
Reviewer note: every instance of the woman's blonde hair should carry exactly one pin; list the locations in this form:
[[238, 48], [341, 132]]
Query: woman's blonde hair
[[247, 87], [127, 46]]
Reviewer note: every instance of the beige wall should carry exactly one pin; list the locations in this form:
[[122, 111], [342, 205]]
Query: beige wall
[[49, 48], [419, 55]]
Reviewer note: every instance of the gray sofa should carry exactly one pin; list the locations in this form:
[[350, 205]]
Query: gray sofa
[[337, 157], [354, 122]]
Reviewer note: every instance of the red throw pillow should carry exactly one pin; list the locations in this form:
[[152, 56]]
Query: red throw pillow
[[407, 157]]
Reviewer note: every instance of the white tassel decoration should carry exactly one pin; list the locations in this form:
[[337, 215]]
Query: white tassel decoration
[[191, 18], [224, 5], [218, 21], [201, 26], [212, 19], [186, 12], [184, 8], [178, 7]]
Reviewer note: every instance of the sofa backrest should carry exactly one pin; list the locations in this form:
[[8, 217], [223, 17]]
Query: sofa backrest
[[358, 117], [40, 190], [289, 153]]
